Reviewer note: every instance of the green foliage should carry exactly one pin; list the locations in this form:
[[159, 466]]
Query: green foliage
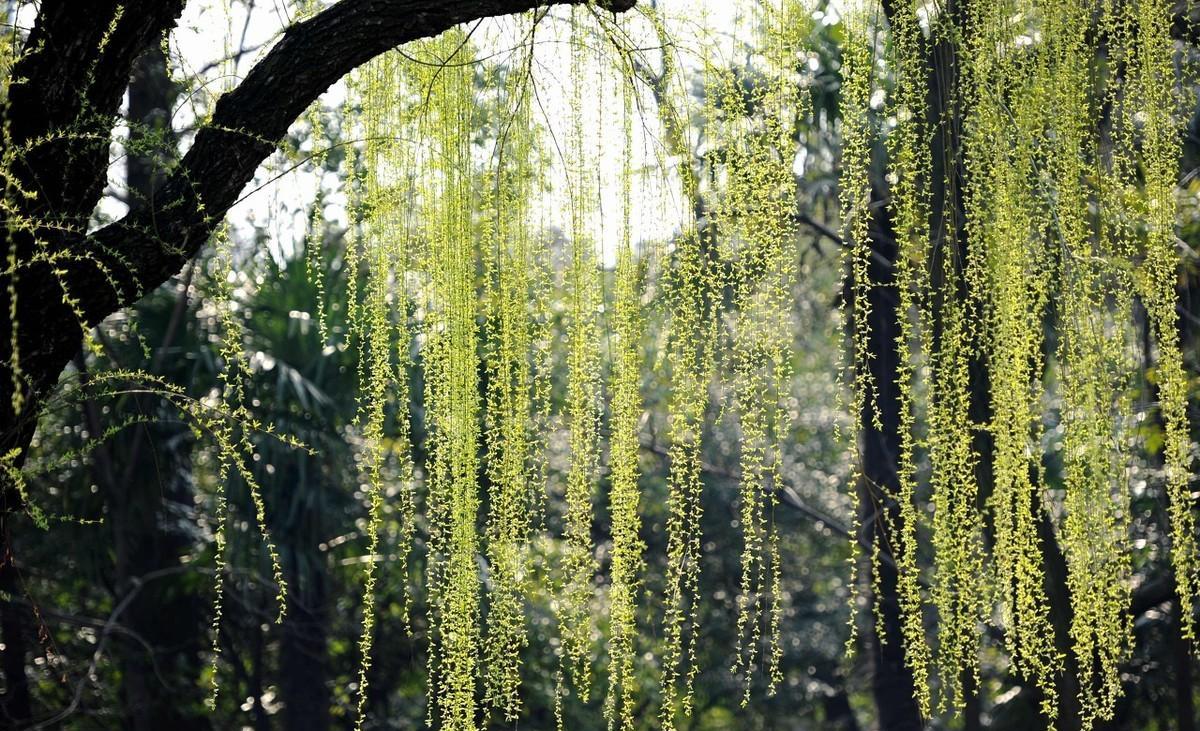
[[515, 273], [582, 399]]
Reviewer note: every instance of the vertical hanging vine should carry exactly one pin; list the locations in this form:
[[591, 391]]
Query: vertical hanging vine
[[513, 275], [232, 435], [1011, 268], [756, 220], [908, 155], [1094, 378], [378, 204], [583, 380], [949, 335], [315, 234], [1154, 88], [858, 73], [451, 377], [690, 285], [624, 447]]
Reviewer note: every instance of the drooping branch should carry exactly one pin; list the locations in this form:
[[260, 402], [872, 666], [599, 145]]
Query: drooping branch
[[95, 275], [249, 122]]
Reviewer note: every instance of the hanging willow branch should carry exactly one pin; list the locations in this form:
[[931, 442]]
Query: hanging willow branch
[[1029, 224], [104, 271]]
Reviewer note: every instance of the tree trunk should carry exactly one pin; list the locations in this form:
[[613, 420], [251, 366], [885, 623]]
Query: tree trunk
[[839, 716], [891, 680], [160, 672], [16, 708], [304, 651], [1185, 706]]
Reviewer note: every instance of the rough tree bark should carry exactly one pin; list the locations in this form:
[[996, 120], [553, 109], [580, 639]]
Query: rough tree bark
[[16, 707], [304, 646], [60, 112]]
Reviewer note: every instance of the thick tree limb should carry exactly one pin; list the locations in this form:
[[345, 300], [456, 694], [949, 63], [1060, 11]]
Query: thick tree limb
[[64, 98], [62, 103]]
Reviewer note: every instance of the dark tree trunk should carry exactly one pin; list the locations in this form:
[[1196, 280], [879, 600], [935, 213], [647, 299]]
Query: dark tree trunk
[[160, 672], [891, 680], [1055, 566], [304, 637], [304, 651], [839, 716], [973, 707], [151, 139], [16, 707], [1185, 705], [160, 666], [61, 107], [262, 722]]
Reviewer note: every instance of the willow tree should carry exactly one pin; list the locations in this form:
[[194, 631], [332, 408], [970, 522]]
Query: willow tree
[[61, 92], [1027, 226]]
